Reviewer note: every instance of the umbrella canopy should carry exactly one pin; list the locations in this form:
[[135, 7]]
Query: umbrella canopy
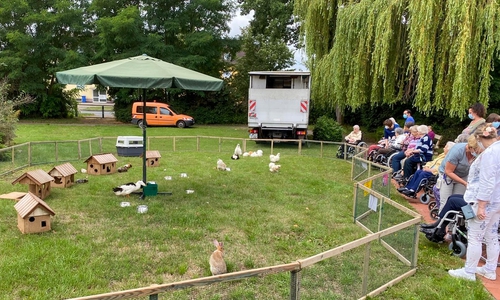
[[140, 72], [144, 72]]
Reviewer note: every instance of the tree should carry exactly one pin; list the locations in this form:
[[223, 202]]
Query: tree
[[435, 55], [37, 39], [264, 42], [8, 113]]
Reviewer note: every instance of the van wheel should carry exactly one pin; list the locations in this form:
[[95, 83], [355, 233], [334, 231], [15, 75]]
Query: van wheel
[[140, 124], [181, 124]]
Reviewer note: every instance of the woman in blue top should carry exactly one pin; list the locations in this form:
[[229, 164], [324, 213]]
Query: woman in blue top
[[454, 170], [421, 154]]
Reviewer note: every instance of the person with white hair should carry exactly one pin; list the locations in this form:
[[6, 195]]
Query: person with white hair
[[483, 192], [421, 154], [355, 136], [430, 169]]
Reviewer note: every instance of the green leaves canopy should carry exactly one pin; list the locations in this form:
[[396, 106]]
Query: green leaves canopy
[[437, 55]]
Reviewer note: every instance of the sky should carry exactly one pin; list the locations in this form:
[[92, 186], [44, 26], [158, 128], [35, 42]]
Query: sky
[[240, 21]]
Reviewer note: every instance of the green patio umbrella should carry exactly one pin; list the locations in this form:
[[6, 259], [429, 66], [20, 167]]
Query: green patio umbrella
[[141, 72]]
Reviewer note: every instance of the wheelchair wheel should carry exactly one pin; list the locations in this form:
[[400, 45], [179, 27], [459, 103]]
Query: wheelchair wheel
[[431, 205], [425, 199], [458, 249], [434, 213], [340, 152], [389, 160], [363, 145]]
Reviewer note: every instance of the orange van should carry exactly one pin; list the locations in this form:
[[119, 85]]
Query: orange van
[[159, 114]]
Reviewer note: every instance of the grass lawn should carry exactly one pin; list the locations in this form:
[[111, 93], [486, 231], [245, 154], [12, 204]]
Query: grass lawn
[[263, 218]]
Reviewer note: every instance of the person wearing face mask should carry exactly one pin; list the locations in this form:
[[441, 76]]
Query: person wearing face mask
[[455, 168], [389, 127], [494, 119], [483, 194], [476, 115], [408, 118]]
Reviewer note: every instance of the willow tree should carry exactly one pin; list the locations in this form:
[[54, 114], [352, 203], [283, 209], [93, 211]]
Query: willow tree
[[435, 54]]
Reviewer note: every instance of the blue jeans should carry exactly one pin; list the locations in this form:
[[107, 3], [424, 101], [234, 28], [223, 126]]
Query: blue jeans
[[417, 178], [410, 165], [396, 161]]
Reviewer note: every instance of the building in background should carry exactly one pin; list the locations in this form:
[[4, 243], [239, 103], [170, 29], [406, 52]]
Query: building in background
[[90, 93]]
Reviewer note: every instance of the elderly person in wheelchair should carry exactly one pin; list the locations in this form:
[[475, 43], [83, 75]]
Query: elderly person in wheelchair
[[355, 138]]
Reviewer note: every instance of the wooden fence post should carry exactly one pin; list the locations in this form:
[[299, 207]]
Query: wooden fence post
[[29, 154], [294, 285], [56, 148], [366, 269]]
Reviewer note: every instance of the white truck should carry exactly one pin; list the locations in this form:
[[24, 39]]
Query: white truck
[[278, 104]]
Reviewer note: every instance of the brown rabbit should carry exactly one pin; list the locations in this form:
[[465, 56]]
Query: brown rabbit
[[217, 263]]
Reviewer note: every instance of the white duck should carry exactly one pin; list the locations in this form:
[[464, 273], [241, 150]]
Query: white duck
[[128, 188], [274, 158]]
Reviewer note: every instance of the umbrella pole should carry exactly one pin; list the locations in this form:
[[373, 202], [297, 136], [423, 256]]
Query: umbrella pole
[[144, 143]]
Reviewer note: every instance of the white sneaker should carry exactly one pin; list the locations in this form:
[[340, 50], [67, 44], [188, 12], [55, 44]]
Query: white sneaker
[[488, 275], [460, 273]]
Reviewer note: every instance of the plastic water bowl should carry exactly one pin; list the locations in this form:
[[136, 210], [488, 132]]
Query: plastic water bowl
[[142, 209]]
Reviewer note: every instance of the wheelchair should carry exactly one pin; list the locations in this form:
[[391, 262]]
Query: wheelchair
[[384, 159], [457, 230], [347, 151]]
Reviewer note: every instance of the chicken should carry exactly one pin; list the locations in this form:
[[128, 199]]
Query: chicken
[[274, 158], [124, 168], [128, 188], [237, 150], [83, 171], [274, 168], [259, 152], [221, 166]]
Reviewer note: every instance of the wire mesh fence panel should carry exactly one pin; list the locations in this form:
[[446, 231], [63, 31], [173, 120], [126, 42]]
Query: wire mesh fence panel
[[185, 144], [403, 241], [311, 148], [381, 183], [14, 158], [108, 145], [228, 145], [161, 143], [216, 144], [66, 151], [43, 153], [361, 169], [383, 265]]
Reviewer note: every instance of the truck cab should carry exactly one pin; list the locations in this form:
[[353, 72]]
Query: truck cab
[[278, 104]]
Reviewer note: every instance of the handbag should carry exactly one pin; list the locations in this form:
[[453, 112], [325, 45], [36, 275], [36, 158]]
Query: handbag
[[468, 211]]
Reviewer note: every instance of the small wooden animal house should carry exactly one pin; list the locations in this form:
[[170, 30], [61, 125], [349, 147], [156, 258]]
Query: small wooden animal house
[[64, 175], [101, 164], [38, 181], [33, 214], [153, 158]]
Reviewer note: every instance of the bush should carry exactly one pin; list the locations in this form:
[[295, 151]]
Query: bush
[[326, 129]]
